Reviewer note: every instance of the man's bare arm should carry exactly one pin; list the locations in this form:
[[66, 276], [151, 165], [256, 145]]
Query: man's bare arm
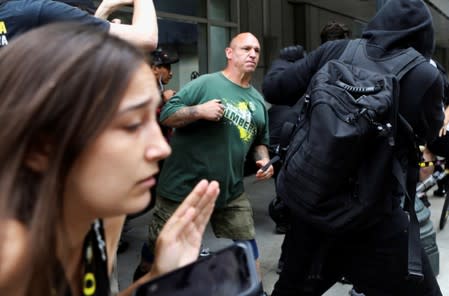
[[212, 110], [262, 158], [261, 153], [143, 31], [183, 117]]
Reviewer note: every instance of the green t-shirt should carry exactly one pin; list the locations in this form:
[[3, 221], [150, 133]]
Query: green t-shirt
[[213, 150]]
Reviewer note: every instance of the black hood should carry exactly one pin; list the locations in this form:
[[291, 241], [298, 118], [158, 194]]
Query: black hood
[[401, 24]]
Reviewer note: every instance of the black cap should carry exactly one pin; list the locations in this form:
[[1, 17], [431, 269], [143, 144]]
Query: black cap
[[162, 57]]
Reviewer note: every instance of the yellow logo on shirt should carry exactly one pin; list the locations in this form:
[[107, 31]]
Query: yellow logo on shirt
[[3, 31], [241, 116], [3, 28]]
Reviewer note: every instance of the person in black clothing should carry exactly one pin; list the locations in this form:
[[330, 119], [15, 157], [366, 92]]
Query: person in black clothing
[[279, 114], [81, 146], [375, 259], [439, 146]]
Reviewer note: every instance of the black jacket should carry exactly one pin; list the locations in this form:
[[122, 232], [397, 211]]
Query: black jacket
[[398, 25]]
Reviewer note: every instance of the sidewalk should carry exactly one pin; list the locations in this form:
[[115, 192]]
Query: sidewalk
[[269, 243]]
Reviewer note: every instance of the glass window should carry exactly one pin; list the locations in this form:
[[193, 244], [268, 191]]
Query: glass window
[[188, 42], [186, 7], [219, 40], [219, 10]]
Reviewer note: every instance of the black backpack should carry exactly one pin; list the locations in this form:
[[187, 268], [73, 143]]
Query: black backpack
[[341, 165]]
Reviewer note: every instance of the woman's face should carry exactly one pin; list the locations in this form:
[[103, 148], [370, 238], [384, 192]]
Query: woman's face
[[114, 174]]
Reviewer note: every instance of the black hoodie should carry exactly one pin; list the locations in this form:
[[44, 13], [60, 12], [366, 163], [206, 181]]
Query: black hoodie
[[403, 23]]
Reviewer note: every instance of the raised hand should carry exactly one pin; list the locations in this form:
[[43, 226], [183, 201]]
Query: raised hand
[[106, 7], [180, 239]]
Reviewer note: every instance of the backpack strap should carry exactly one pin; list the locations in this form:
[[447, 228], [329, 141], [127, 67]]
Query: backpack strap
[[349, 53], [414, 244], [403, 61], [411, 60], [399, 65]]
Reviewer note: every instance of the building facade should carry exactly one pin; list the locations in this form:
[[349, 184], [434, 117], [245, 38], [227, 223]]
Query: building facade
[[199, 30]]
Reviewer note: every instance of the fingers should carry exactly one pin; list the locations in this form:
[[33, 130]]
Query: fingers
[[212, 110], [202, 194], [211, 194], [184, 224], [220, 110], [264, 174], [192, 216], [206, 206], [193, 198]]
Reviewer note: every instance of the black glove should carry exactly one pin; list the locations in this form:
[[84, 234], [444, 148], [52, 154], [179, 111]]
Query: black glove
[[292, 53]]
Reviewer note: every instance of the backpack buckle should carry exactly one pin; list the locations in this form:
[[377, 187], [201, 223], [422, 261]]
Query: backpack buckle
[[415, 276]]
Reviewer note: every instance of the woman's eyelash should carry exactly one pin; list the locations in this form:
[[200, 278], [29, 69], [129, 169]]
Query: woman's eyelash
[[133, 127]]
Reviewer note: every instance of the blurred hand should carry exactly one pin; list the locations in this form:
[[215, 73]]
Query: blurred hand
[[212, 110], [167, 94], [180, 239], [264, 175], [292, 53], [443, 129]]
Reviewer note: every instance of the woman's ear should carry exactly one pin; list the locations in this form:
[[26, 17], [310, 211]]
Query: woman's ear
[[37, 162], [37, 157]]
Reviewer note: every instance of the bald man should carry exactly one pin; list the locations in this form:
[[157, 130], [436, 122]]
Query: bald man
[[217, 118]]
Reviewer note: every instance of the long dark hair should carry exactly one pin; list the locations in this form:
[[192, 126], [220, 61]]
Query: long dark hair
[[60, 86]]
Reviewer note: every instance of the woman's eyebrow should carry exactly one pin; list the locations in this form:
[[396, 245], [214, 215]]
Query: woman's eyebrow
[[135, 106]]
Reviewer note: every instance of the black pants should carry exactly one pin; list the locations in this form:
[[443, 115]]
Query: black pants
[[377, 267]]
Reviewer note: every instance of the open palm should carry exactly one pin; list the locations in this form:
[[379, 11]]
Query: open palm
[[180, 239]]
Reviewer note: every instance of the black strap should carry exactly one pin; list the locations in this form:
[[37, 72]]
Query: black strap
[[414, 244], [95, 275], [413, 60], [349, 53], [398, 64]]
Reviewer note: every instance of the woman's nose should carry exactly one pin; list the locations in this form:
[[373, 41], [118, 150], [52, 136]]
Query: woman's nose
[[157, 147]]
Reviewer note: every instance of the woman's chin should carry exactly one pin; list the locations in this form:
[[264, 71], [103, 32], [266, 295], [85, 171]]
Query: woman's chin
[[139, 204]]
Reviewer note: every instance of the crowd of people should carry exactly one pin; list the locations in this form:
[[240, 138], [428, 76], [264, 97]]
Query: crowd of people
[[71, 125]]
